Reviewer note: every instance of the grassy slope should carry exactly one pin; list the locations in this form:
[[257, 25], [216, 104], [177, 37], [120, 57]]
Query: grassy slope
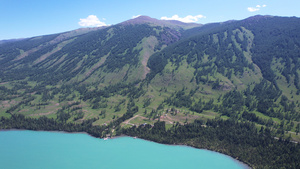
[[172, 79]]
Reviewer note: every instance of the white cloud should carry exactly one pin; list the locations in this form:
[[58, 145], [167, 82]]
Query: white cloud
[[91, 20], [187, 19], [251, 9], [135, 16], [257, 8]]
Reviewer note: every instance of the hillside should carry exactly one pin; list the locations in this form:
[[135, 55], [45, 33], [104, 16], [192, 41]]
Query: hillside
[[249, 61], [246, 70], [173, 75], [81, 60]]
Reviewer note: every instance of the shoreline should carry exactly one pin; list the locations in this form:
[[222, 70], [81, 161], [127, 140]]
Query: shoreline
[[242, 164]]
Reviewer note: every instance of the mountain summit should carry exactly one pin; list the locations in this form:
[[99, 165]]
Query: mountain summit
[[165, 23]]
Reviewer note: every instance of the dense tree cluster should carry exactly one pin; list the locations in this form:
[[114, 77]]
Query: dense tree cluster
[[241, 140], [275, 39], [19, 121]]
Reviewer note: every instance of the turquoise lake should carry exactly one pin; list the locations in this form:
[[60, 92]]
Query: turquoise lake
[[57, 150]]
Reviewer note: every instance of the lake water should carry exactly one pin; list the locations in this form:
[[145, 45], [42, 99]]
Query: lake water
[[57, 150]]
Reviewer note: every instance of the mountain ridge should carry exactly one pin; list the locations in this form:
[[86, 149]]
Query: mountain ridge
[[169, 23], [147, 19]]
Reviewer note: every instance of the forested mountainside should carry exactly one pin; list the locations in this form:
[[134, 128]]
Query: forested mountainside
[[249, 65], [106, 80]]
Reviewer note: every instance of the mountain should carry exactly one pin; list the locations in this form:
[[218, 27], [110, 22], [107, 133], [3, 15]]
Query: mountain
[[117, 46], [220, 69], [251, 63], [174, 75]]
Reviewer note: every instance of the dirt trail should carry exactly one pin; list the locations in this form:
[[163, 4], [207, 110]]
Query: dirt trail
[[128, 121], [42, 114], [166, 118]]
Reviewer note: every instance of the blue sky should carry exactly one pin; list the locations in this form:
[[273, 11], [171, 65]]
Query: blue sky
[[28, 18]]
